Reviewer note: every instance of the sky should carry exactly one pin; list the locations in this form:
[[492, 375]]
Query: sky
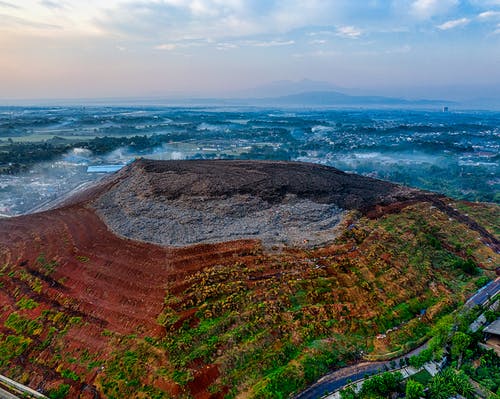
[[127, 48]]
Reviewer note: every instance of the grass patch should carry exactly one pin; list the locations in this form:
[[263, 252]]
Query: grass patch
[[423, 377]]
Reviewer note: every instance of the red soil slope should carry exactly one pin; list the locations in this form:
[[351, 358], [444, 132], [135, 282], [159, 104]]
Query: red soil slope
[[111, 283]]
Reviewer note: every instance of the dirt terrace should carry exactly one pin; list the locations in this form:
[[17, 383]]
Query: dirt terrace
[[112, 283]]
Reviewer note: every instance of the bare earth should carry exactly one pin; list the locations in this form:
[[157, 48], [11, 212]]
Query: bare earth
[[182, 203]]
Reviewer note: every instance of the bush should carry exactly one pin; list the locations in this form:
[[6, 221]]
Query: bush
[[482, 281], [449, 383], [419, 360], [381, 385], [23, 325], [70, 374], [467, 265], [414, 390], [12, 346], [26, 303], [60, 392], [280, 384]]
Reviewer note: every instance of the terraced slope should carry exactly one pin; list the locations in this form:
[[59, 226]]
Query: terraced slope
[[88, 313]]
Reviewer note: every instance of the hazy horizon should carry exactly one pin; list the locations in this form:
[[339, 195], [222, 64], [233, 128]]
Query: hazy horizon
[[53, 49]]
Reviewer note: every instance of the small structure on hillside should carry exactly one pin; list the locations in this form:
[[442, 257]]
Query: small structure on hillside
[[492, 336], [104, 168]]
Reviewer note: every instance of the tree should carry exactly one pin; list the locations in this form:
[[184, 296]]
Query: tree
[[381, 385], [440, 386], [414, 390], [459, 344], [348, 393], [419, 360], [441, 332], [448, 383], [463, 385]]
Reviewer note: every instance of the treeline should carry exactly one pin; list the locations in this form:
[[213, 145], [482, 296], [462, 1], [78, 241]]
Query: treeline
[[17, 156]]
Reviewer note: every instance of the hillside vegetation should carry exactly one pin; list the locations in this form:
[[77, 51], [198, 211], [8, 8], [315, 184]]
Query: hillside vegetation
[[245, 323], [87, 312]]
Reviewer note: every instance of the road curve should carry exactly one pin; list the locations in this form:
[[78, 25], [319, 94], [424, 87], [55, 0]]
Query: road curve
[[338, 378], [341, 377]]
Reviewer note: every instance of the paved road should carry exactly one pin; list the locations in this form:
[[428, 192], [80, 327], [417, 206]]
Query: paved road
[[26, 392], [7, 395], [485, 293], [337, 379]]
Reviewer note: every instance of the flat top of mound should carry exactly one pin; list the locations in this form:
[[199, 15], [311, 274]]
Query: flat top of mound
[[269, 180], [179, 203]]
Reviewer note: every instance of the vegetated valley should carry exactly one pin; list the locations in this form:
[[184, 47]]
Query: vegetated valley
[[89, 312]]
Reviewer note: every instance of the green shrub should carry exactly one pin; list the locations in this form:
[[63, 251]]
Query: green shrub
[[70, 374], [419, 360], [60, 392], [22, 325], [11, 347], [466, 265], [482, 281], [381, 385], [26, 303], [414, 390], [48, 267]]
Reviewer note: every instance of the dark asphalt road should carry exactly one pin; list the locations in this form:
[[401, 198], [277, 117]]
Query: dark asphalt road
[[337, 379]]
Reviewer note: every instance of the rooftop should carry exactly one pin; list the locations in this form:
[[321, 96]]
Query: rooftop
[[104, 168], [493, 328]]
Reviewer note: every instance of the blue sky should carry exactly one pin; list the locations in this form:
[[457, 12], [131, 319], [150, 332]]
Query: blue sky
[[72, 48]]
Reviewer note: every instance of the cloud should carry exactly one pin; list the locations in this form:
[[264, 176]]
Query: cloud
[[454, 23], [185, 43], [166, 46], [52, 4], [349, 32], [8, 5], [273, 43], [10, 20], [429, 8], [218, 19], [226, 46], [489, 15]]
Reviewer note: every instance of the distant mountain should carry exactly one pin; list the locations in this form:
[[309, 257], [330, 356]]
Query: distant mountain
[[294, 98], [286, 88], [330, 98], [315, 99]]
